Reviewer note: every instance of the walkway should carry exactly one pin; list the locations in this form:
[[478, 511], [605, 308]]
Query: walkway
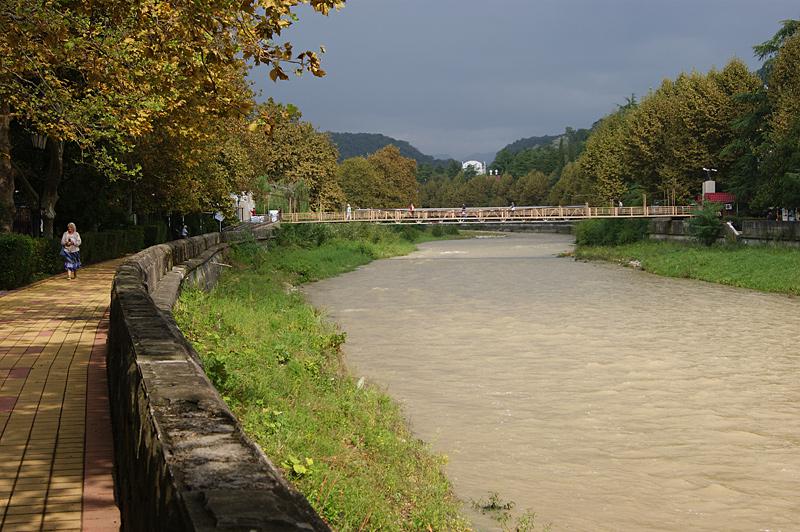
[[55, 445]]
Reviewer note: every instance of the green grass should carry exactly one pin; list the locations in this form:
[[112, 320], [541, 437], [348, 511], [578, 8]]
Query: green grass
[[278, 365], [765, 268]]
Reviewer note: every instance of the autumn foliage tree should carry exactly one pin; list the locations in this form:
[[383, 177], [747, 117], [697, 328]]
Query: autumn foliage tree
[[662, 143], [104, 74], [385, 179], [295, 151]]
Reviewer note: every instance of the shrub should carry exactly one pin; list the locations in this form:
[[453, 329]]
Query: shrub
[[106, 245], [706, 224], [154, 234], [408, 232], [304, 235], [17, 258], [47, 260], [592, 233], [630, 231], [450, 229], [610, 232], [23, 257]]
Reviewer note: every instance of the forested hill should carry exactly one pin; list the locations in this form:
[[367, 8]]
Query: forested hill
[[531, 142], [363, 144]]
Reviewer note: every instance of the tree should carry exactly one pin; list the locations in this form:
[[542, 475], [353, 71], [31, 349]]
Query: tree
[[769, 49], [706, 225], [502, 161], [531, 189], [295, 151], [398, 177], [604, 161], [360, 181], [545, 159], [573, 187], [100, 73], [781, 150], [662, 143]]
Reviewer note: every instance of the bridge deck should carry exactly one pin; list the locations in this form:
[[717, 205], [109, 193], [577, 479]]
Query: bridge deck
[[488, 214]]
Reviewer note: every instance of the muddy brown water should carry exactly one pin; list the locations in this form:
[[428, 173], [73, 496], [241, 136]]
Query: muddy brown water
[[601, 397]]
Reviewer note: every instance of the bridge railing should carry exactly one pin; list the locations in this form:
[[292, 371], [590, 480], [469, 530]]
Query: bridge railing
[[488, 214]]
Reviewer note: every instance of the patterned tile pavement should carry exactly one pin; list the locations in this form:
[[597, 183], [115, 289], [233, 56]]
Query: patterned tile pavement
[[55, 440]]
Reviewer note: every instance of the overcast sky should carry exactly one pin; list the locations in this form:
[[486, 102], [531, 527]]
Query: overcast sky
[[461, 77]]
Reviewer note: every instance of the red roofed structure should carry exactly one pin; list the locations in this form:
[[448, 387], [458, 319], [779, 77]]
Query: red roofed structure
[[719, 197]]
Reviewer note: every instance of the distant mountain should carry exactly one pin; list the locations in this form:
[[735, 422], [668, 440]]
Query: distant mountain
[[363, 144], [487, 158], [531, 142]]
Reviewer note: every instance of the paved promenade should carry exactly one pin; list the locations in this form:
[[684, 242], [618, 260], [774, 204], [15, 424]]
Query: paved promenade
[[55, 444]]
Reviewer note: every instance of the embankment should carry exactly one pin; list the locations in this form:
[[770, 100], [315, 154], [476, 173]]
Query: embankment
[[753, 231], [182, 461]]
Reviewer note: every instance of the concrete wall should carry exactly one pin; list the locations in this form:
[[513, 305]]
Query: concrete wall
[[770, 230], [539, 227], [182, 461], [753, 231]]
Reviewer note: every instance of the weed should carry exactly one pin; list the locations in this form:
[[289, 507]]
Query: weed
[[501, 512], [278, 366], [765, 268]]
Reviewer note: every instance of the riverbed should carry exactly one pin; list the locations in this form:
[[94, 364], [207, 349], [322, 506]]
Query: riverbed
[[600, 397]]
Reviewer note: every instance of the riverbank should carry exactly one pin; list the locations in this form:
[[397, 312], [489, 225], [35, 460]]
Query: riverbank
[[277, 363], [766, 268]]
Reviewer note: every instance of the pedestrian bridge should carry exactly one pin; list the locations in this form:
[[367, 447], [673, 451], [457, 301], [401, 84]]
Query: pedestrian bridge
[[488, 215]]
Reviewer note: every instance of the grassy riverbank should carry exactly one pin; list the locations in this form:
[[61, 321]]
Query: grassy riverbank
[[277, 363], [765, 268]]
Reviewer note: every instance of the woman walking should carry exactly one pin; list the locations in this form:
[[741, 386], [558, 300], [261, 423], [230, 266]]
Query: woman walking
[[70, 250]]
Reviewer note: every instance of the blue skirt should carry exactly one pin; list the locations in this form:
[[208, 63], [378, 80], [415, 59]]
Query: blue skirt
[[72, 259]]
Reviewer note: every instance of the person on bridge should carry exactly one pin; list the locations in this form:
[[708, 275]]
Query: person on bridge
[[513, 208], [348, 212], [463, 210], [411, 209]]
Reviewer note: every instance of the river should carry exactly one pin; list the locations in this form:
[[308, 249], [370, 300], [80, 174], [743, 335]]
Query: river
[[601, 397]]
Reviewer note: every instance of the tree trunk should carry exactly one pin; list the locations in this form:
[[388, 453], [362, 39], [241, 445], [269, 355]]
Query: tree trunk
[[7, 210], [55, 169]]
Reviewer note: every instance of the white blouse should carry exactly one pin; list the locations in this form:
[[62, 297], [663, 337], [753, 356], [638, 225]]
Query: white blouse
[[71, 242]]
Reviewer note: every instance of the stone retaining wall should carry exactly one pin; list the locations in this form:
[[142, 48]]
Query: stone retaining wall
[[538, 227], [753, 231], [182, 461]]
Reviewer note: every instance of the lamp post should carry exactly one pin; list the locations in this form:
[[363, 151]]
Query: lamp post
[[708, 178], [39, 140]]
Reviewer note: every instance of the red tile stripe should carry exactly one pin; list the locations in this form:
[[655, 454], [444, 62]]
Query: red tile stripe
[[100, 512]]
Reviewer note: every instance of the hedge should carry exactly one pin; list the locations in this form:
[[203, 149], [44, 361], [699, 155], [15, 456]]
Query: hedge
[[105, 245], [22, 258], [17, 259], [611, 232]]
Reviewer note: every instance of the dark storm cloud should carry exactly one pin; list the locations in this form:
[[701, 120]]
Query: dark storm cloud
[[463, 76]]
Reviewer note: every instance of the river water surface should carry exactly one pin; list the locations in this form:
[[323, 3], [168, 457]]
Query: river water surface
[[601, 397]]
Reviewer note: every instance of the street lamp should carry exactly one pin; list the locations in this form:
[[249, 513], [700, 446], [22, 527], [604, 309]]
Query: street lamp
[[39, 140], [710, 187]]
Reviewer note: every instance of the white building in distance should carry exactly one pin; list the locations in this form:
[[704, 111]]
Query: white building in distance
[[479, 167]]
